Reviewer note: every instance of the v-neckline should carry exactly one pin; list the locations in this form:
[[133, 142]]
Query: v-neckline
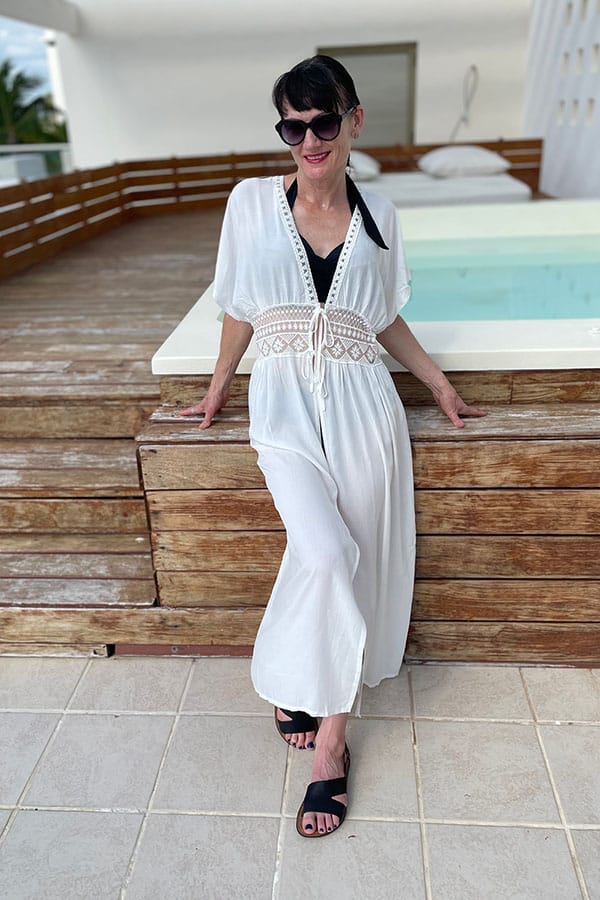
[[302, 256]]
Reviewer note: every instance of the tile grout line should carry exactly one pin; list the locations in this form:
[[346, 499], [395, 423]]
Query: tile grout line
[[279, 849], [253, 715], [18, 806], [419, 786], [569, 837], [232, 814], [146, 813]]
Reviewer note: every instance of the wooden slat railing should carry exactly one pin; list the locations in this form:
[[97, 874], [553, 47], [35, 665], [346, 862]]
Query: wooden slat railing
[[40, 218]]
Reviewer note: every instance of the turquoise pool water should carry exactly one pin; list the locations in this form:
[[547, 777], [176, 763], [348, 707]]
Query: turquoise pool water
[[506, 278]]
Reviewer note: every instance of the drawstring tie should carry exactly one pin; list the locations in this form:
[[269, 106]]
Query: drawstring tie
[[319, 337]]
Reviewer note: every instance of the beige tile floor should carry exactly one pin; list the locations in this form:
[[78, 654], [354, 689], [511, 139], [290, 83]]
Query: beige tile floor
[[141, 778]]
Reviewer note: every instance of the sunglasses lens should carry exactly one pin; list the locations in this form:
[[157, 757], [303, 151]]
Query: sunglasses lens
[[327, 127], [292, 132]]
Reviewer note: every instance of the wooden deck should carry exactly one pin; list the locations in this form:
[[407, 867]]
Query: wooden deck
[[76, 335]]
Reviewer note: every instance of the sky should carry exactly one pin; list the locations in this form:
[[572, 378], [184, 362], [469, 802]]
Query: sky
[[24, 45]]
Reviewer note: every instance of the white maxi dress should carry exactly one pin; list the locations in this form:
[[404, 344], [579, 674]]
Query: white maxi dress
[[331, 437]]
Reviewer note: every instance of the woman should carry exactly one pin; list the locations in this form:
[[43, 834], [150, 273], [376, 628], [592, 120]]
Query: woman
[[317, 272]]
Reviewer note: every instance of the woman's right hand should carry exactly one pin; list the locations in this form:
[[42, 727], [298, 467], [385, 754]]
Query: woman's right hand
[[235, 338], [210, 405]]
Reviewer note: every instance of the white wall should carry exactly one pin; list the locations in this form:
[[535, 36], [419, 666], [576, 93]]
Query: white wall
[[145, 79], [563, 94]]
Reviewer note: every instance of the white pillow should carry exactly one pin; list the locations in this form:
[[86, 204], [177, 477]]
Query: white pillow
[[363, 167], [446, 162]]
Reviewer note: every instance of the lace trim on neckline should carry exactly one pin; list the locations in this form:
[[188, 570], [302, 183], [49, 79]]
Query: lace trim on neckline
[[302, 256]]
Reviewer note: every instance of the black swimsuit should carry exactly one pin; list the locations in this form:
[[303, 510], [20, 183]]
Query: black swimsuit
[[323, 268]]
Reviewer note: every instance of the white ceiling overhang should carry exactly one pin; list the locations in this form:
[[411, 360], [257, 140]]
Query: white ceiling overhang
[[59, 15]]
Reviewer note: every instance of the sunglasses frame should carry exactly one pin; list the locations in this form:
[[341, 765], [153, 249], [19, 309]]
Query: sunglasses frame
[[338, 118]]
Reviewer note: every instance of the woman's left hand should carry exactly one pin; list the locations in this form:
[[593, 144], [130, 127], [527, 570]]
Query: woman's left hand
[[454, 406]]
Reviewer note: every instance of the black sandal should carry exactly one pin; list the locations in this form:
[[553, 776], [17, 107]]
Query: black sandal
[[300, 721], [319, 799]]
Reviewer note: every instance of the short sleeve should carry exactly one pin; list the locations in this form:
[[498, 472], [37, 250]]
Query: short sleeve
[[228, 286], [396, 274]]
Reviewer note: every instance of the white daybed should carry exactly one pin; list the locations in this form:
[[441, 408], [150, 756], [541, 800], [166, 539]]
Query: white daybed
[[420, 189], [447, 176]]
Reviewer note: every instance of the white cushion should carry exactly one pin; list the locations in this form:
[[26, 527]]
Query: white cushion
[[363, 167], [462, 160]]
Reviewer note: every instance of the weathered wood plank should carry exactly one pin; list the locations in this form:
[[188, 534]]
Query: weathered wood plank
[[437, 511], [25, 349], [74, 565], [58, 650], [19, 454], [157, 625], [112, 543], [238, 510], [70, 483], [452, 464], [515, 556], [568, 386], [508, 642], [68, 468], [477, 387], [251, 551], [182, 650], [220, 589], [503, 423], [503, 511], [190, 466], [506, 600], [170, 427], [122, 328], [65, 590], [577, 644], [184, 390], [515, 464], [66, 386], [548, 421], [74, 516], [438, 556], [82, 419]]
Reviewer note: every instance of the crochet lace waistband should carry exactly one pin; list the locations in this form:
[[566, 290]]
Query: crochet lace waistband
[[316, 333]]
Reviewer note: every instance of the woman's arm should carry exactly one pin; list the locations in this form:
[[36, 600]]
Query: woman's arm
[[400, 342], [235, 337]]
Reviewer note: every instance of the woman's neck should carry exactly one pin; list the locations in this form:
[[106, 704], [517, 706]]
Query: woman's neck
[[322, 195]]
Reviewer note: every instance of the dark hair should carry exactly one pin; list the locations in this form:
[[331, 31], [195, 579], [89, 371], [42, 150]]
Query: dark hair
[[320, 82]]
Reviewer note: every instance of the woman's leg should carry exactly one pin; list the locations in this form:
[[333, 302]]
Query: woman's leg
[[308, 650], [328, 764]]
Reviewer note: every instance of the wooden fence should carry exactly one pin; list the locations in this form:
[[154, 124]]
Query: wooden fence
[[40, 218]]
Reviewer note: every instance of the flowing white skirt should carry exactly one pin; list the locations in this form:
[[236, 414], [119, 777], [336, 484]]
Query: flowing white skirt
[[340, 473]]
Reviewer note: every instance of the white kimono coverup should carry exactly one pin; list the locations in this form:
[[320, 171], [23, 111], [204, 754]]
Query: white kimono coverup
[[331, 437]]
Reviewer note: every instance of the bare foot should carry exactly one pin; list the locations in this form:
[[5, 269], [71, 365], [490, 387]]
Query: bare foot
[[328, 764], [301, 740]]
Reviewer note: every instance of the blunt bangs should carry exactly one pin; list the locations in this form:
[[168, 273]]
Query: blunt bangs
[[317, 83]]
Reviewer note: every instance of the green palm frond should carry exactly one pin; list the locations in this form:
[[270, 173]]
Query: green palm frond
[[24, 120]]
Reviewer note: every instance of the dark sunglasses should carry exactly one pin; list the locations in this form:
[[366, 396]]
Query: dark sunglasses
[[325, 126]]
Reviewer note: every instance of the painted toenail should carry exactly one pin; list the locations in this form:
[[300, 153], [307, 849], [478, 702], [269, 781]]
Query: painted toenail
[[329, 829], [310, 745], [308, 827], [321, 830]]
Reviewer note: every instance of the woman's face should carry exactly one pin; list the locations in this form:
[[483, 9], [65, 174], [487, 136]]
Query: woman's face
[[317, 159]]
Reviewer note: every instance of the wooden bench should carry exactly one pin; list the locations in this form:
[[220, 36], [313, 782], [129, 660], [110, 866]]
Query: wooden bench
[[508, 521]]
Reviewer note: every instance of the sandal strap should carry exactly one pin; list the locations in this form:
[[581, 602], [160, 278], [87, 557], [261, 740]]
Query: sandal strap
[[301, 722], [320, 794]]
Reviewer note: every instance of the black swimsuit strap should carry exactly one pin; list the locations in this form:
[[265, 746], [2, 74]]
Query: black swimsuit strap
[[355, 199]]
